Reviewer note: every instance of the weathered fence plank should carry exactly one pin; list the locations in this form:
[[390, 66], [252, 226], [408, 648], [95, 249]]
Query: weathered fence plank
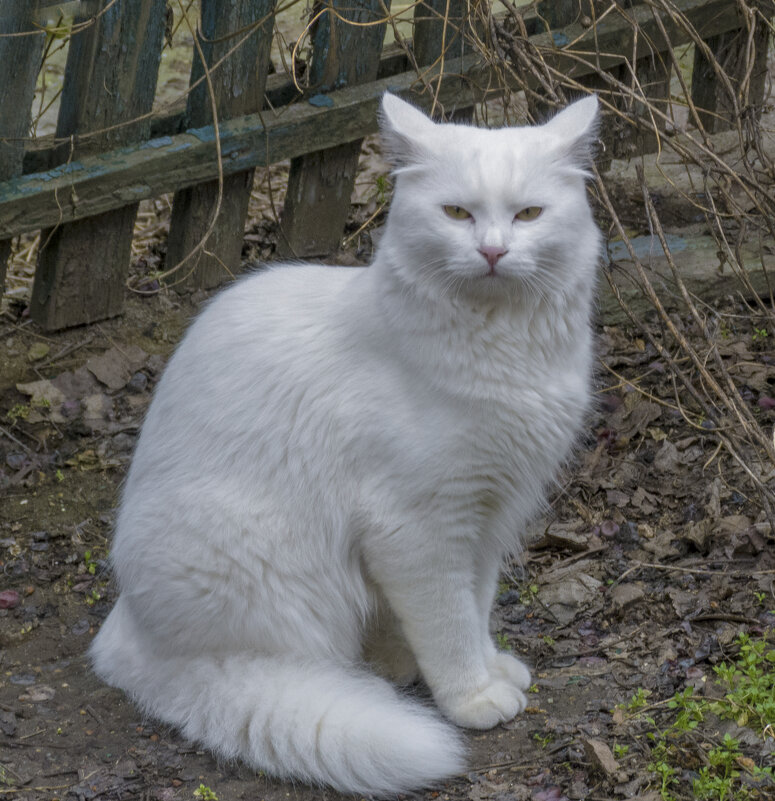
[[439, 30], [20, 57], [320, 183], [711, 95], [94, 184], [626, 132], [110, 78], [238, 85], [439, 34]]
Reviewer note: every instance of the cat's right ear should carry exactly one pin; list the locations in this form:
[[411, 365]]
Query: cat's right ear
[[405, 130]]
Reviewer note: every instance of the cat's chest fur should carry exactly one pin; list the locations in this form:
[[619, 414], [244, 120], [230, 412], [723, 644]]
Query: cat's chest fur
[[481, 408]]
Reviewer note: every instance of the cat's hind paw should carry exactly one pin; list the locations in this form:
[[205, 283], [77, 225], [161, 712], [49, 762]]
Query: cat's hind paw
[[510, 669], [496, 703]]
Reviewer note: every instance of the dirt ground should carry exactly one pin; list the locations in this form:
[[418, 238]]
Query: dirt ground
[[654, 560]]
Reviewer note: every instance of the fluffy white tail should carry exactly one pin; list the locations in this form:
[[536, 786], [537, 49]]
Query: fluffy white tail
[[317, 722]]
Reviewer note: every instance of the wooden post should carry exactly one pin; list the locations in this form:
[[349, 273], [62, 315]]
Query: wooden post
[[439, 29], [439, 33], [238, 85], [110, 79], [20, 57], [711, 95], [652, 74], [620, 138], [320, 184]]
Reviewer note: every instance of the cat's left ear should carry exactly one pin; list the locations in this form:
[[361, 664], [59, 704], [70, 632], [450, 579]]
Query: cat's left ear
[[406, 131], [575, 130]]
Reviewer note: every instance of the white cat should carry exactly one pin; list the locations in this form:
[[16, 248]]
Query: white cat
[[337, 461]]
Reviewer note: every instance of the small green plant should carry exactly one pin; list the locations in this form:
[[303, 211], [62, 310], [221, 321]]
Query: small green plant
[[383, 188], [533, 688], [544, 740], [759, 334], [621, 751], [59, 475], [638, 701], [547, 640], [204, 793], [502, 641], [665, 772], [21, 411], [748, 686], [716, 779], [528, 594], [91, 564], [760, 597]]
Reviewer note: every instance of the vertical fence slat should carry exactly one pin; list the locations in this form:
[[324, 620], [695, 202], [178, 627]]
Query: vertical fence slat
[[652, 74], [434, 35], [238, 85], [320, 184], [20, 57], [110, 78], [710, 95], [439, 32], [620, 138]]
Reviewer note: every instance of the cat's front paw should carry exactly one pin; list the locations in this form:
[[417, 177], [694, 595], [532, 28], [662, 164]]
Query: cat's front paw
[[510, 669], [496, 703]]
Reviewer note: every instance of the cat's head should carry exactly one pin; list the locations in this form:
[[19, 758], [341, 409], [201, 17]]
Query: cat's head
[[491, 212]]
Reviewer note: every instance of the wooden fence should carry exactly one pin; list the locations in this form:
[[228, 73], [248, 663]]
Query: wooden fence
[[82, 189]]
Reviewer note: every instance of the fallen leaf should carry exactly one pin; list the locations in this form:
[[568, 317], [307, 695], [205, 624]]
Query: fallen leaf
[[38, 351], [116, 366], [624, 595]]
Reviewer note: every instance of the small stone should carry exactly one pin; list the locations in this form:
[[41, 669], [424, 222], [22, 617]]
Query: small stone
[[137, 383], [81, 627], [15, 460], [601, 756], [9, 599], [585, 21], [608, 528], [23, 678], [38, 694]]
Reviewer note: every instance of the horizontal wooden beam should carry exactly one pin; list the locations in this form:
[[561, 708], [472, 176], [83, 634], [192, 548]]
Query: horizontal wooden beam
[[95, 184], [40, 153]]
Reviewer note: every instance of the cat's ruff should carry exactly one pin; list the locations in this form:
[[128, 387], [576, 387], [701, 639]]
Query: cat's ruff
[[336, 462]]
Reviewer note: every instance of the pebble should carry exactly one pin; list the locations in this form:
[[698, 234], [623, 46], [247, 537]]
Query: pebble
[[138, 383], [22, 678], [81, 627], [9, 599]]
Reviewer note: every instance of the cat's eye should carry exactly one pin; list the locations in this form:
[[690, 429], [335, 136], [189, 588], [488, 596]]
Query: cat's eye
[[457, 213], [528, 214]]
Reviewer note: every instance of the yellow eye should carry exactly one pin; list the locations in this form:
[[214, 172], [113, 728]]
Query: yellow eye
[[528, 214], [457, 213]]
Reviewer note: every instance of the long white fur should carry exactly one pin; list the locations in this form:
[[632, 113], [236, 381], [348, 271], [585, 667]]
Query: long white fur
[[336, 462]]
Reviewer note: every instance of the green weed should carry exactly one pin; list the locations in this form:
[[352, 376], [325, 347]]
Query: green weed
[[748, 686], [204, 793]]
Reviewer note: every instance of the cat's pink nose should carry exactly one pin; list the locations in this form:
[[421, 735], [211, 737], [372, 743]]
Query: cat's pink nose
[[492, 253]]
